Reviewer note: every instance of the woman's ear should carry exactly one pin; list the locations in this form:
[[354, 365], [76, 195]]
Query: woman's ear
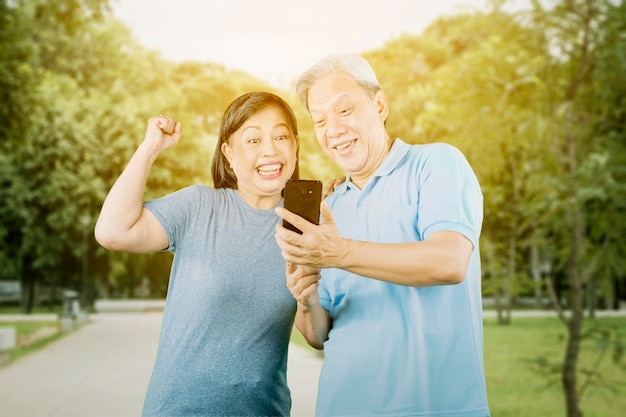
[[226, 151]]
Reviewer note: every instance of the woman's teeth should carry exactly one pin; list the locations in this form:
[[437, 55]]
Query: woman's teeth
[[269, 169]]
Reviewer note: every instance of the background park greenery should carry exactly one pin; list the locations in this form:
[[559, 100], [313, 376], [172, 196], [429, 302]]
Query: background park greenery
[[536, 100]]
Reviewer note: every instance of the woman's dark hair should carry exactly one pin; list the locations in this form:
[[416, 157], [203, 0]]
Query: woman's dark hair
[[236, 114]]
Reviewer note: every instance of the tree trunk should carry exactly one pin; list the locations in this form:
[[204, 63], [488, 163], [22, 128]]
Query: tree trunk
[[569, 377], [575, 278], [535, 269], [28, 293], [575, 322], [495, 274], [509, 278], [592, 285]]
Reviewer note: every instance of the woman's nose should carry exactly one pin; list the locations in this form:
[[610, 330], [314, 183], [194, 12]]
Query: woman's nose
[[269, 147]]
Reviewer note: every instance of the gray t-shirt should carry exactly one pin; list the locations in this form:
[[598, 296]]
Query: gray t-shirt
[[228, 315]]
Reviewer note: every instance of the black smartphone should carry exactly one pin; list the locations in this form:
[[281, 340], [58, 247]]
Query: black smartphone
[[303, 197]]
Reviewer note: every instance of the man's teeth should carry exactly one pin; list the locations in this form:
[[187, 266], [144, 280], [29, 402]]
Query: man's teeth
[[343, 146], [269, 169]]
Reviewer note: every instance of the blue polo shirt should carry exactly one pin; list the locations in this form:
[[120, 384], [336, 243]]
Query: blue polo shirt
[[396, 350]]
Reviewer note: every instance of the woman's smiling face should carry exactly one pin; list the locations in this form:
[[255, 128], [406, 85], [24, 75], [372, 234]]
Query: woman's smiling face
[[262, 153]]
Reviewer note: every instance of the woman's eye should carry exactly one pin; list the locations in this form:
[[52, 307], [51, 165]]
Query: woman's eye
[[254, 140], [281, 137]]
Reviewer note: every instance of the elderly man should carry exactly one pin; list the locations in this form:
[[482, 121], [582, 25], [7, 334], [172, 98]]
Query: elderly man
[[398, 307]]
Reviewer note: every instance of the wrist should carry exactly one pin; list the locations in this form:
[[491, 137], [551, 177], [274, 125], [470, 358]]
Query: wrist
[[149, 149], [345, 250], [308, 307]]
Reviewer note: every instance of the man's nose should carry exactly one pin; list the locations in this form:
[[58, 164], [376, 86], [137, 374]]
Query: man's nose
[[335, 127]]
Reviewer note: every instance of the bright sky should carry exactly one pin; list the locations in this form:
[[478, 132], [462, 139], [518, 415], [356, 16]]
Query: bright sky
[[276, 40]]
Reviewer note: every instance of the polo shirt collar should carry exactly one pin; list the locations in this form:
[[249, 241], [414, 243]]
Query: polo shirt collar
[[398, 150]]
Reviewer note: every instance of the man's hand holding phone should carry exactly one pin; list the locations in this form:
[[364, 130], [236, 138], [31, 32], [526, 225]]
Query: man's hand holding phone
[[319, 246]]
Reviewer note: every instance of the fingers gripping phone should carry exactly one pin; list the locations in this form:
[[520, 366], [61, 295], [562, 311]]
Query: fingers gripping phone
[[303, 197]]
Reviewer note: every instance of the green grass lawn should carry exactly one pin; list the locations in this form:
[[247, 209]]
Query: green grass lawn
[[15, 309], [518, 388], [25, 329]]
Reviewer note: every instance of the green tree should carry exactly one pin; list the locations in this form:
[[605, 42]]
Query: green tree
[[30, 243], [581, 35]]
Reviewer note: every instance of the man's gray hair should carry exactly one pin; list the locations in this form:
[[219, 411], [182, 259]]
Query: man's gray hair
[[352, 64]]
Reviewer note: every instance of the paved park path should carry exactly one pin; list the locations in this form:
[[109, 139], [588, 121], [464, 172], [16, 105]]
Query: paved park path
[[102, 370]]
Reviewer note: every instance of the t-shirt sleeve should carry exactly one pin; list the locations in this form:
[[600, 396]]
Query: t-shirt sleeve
[[174, 213], [450, 195]]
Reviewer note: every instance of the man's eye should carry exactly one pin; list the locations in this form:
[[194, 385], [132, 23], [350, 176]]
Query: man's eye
[[281, 137], [319, 122], [254, 140], [344, 111]]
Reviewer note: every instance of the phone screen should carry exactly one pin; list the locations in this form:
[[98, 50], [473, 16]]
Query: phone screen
[[303, 197]]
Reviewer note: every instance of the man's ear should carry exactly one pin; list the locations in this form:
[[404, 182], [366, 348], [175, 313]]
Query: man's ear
[[382, 104]]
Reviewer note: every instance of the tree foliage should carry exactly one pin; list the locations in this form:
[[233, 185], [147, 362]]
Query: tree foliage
[[77, 90]]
